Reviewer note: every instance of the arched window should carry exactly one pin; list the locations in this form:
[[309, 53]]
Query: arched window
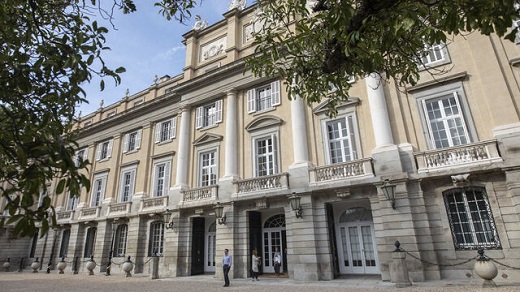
[[120, 241], [275, 221], [64, 247], [89, 242], [156, 239], [471, 220], [356, 214]]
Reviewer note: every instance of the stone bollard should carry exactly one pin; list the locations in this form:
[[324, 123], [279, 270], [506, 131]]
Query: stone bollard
[[155, 267], [7, 265], [35, 265], [486, 269], [62, 265], [127, 267], [91, 265], [398, 268]]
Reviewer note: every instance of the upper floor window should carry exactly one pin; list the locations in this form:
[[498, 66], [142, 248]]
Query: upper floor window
[[127, 183], [341, 139], [120, 240], [263, 98], [446, 116], [89, 242], [98, 190], [156, 239], [132, 141], [72, 202], [266, 155], [104, 150], [208, 168], [470, 217], [433, 55], [81, 155], [165, 130], [209, 115], [161, 181]]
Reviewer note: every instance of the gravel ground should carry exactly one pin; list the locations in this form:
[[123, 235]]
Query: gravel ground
[[27, 281]]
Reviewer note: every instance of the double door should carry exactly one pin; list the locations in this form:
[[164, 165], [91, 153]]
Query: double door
[[357, 249]]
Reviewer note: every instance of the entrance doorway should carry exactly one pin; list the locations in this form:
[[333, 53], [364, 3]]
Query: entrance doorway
[[197, 246], [211, 246], [274, 237], [356, 242]]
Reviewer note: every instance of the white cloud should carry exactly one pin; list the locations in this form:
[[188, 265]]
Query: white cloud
[[169, 54]]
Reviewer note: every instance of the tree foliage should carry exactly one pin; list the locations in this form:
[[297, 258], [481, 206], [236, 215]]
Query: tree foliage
[[316, 45]]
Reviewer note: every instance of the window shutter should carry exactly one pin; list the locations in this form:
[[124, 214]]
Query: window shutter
[[132, 183], [155, 180], [251, 101], [121, 186], [173, 128], [125, 143], [109, 150], [166, 179], [275, 153], [275, 92], [138, 138], [218, 111], [352, 137], [198, 117], [103, 186], [158, 132], [98, 154]]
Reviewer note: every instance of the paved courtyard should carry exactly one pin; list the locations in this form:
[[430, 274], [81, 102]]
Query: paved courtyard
[[27, 281]]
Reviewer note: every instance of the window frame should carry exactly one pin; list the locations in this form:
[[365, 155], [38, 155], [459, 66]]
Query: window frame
[[156, 180], [104, 150], [156, 239], [90, 242], [275, 154], [163, 135], [130, 145], [350, 118], [479, 204], [97, 194], [204, 119], [132, 171], [441, 48], [253, 97], [120, 240], [213, 168], [64, 244]]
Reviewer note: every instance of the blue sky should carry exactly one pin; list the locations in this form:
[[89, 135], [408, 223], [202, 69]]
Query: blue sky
[[146, 44]]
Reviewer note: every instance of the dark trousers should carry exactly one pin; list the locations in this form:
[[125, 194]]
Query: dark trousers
[[277, 268], [226, 276]]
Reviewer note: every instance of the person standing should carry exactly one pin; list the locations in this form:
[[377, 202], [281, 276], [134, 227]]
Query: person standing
[[226, 266], [255, 263], [277, 261]]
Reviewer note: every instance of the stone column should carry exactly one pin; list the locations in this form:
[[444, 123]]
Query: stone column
[[184, 149], [378, 110], [299, 131], [231, 139]]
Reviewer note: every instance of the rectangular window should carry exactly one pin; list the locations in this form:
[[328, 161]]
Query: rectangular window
[[434, 55], [72, 202], [120, 240], [264, 97], [132, 141], [32, 252], [80, 156], [341, 140], [470, 217], [165, 130], [266, 155], [445, 121], [104, 150], [161, 179], [98, 190], [208, 168], [89, 242], [156, 239], [127, 185], [64, 247], [209, 115]]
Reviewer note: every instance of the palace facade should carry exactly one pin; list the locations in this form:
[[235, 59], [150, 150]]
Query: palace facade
[[215, 141]]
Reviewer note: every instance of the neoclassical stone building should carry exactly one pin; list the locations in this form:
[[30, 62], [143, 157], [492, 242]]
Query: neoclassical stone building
[[216, 138]]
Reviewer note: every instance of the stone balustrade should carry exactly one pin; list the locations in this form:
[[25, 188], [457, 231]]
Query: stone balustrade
[[123, 207], [92, 212], [155, 203], [65, 215], [476, 153], [269, 182], [200, 194], [356, 168]]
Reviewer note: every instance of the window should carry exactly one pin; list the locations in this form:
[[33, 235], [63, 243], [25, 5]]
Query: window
[[81, 155], [470, 217], [43, 194], [208, 168], [209, 115], [156, 239], [341, 139], [104, 150], [64, 247], [263, 98], [34, 242], [161, 182], [89, 242], [127, 184], [120, 240], [446, 116], [72, 202], [165, 130], [98, 190], [132, 141], [266, 155], [434, 55]]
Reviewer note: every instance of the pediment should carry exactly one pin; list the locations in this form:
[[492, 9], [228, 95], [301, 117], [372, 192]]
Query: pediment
[[322, 107], [264, 122], [207, 138]]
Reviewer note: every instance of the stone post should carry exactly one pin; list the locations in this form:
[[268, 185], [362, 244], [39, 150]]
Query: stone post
[[398, 268]]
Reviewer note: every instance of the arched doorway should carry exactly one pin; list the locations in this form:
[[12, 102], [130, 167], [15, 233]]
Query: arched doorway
[[211, 246], [356, 242], [274, 237]]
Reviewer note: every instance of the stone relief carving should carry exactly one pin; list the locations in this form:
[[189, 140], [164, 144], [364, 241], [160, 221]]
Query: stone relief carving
[[213, 49], [238, 4]]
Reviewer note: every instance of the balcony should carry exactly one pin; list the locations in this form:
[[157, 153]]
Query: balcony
[[200, 194], [90, 213], [352, 169], [485, 152], [264, 183], [119, 209], [154, 204], [65, 215]]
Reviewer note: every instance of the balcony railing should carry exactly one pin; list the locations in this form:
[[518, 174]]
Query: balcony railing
[[270, 182], [123, 207], [92, 212], [154, 203], [351, 169], [477, 153], [65, 215], [200, 194]]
